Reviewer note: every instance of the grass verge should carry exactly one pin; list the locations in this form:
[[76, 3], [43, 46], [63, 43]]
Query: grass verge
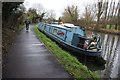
[[70, 63], [21, 27]]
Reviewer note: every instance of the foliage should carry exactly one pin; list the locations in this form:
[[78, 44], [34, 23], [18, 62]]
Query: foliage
[[32, 15], [11, 11], [70, 63], [38, 13], [9, 8]]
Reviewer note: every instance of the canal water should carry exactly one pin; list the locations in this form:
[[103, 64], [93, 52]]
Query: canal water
[[110, 53], [109, 65]]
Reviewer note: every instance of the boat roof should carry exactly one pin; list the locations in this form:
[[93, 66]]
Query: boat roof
[[65, 25], [69, 25], [56, 25]]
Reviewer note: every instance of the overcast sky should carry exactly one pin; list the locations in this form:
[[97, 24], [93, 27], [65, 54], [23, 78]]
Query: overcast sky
[[59, 5]]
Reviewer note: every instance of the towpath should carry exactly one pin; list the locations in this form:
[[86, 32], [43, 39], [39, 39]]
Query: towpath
[[28, 58]]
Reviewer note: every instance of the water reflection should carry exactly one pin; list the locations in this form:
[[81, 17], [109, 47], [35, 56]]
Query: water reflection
[[110, 45], [110, 50]]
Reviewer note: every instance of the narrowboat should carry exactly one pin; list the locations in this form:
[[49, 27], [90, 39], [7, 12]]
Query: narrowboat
[[72, 37]]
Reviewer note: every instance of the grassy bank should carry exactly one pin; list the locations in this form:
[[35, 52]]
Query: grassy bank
[[108, 31], [70, 63]]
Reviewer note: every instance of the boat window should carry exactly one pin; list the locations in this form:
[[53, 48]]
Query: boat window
[[55, 31], [81, 42], [49, 28]]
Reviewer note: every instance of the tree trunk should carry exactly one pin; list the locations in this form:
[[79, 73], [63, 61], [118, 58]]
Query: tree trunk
[[100, 11], [106, 11]]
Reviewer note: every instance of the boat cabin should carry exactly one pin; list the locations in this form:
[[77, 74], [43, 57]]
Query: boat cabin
[[68, 33]]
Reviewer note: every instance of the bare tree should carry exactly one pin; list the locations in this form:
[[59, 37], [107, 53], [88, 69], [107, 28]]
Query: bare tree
[[70, 14], [39, 8], [88, 16], [100, 11], [111, 11], [112, 18], [50, 16], [106, 9], [104, 12], [118, 23], [116, 14]]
